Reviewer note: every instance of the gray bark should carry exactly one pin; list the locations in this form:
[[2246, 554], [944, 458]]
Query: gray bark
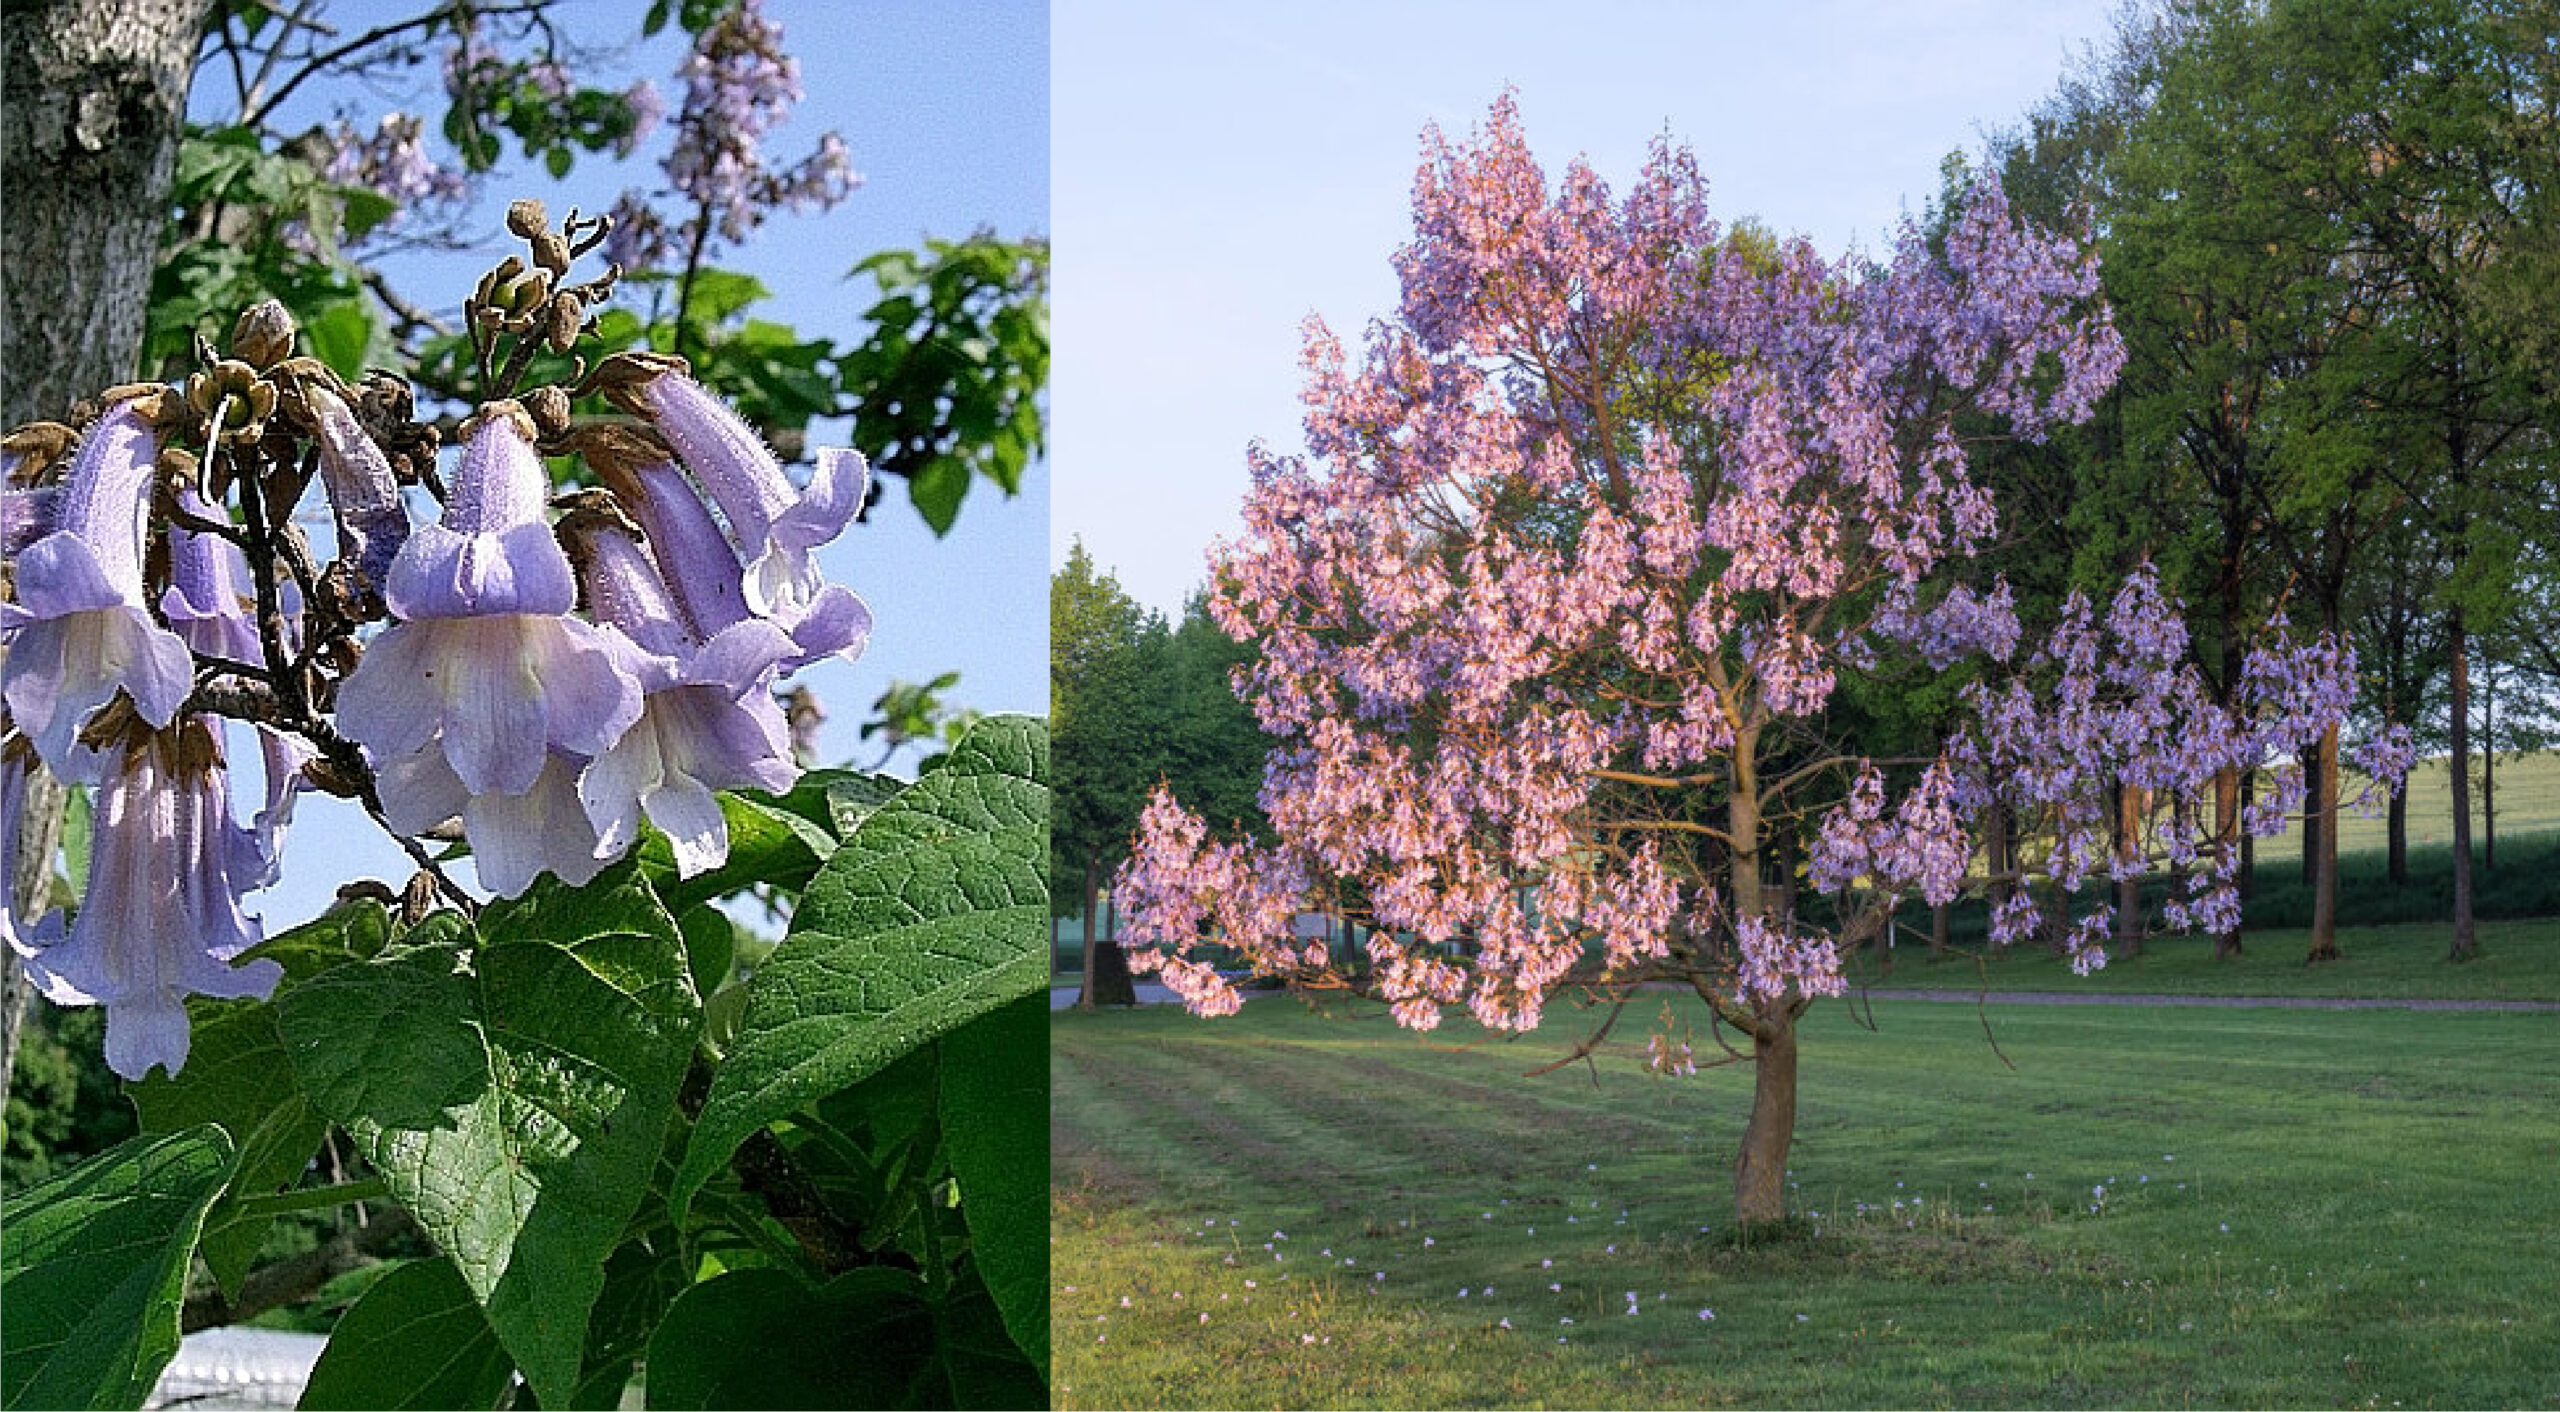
[[93, 95]]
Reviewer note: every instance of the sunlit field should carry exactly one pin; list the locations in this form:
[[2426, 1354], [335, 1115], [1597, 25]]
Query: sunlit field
[[2139, 1207]]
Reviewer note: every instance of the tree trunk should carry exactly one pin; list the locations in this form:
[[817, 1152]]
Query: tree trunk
[[92, 95], [2315, 812], [1938, 930], [2226, 842], [2324, 874], [1109, 982], [2489, 771], [2248, 842], [1760, 1174], [1092, 935], [2396, 825], [2129, 853], [2458, 656]]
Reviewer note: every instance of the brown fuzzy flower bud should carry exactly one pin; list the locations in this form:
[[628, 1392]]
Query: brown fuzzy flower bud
[[527, 219], [263, 335]]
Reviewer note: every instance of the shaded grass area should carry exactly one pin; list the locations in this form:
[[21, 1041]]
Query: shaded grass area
[[2301, 1208], [2518, 960]]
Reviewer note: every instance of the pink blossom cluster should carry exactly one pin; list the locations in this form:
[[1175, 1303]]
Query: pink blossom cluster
[[1589, 527]]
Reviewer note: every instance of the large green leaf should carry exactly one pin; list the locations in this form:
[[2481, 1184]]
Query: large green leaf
[[870, 1338], [237, 1076], [94, 1270], [514, 1097], [767, 844], [995, 1125], [933, 913], [415, 1339]]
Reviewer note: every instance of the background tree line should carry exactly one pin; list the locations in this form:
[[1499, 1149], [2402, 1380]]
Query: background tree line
[[1133, 700]]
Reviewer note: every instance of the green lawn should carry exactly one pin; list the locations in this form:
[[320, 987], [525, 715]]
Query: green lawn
[[2519, 960], [2301, 1208], [2528, 802]]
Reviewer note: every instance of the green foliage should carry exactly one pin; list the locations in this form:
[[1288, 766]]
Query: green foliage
[[947, 386], [930, 917], [525, 1083], [251, 223], [64, 1102], [374, 1349], [95, 1267], [913, 713]]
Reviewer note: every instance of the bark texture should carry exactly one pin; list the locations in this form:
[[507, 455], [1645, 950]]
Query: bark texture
[[1760, 1175], [93, 95]]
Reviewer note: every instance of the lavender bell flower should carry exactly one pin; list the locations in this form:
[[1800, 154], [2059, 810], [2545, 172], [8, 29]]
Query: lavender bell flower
[[514, 837], [708, 721], [486, 657], [209, 597], [363, 492], [777, 527], [708, 583], [80, 631], [161, 919]]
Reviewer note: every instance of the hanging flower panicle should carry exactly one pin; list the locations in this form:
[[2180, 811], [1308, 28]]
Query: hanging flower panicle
[[550, 680]]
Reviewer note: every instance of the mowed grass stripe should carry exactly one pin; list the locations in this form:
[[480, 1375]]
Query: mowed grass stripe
[[2404, 1157]]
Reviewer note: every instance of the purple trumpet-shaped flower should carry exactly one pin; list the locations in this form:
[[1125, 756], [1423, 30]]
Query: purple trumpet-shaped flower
[[80, 631], [363, 492], [708, 721], [486, 665], [707, 582], [778, 528], [209, 601], [514, 837], [161, 919]]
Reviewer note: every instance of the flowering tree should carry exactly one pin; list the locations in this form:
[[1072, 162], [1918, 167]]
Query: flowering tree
[[1585, 543], [618, 1147]]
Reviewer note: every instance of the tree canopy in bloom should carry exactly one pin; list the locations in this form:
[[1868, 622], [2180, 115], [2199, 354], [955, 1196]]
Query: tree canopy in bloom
[[1587, 536]]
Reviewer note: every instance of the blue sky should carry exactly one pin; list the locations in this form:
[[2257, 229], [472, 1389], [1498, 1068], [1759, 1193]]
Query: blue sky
[[945, 109], [1223, 171]]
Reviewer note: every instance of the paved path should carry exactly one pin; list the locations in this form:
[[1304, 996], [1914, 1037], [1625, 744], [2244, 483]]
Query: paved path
[[2234, 1002], [1150, 994]]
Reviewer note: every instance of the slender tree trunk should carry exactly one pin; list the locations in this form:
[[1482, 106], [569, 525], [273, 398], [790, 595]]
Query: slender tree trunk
[[1092, 935], [2489, 772], [2129, 853], [92, 93], [2248, 842], [2226, 843], [1760, 1174], [2324, 876], [2396, 825], [2458, 655], [2315, 819], [1938, 916]]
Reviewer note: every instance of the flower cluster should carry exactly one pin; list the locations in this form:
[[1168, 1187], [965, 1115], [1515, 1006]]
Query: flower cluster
[[738, 86], [1583, 531], [393, 160], [551, 679], [1582, 544]]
